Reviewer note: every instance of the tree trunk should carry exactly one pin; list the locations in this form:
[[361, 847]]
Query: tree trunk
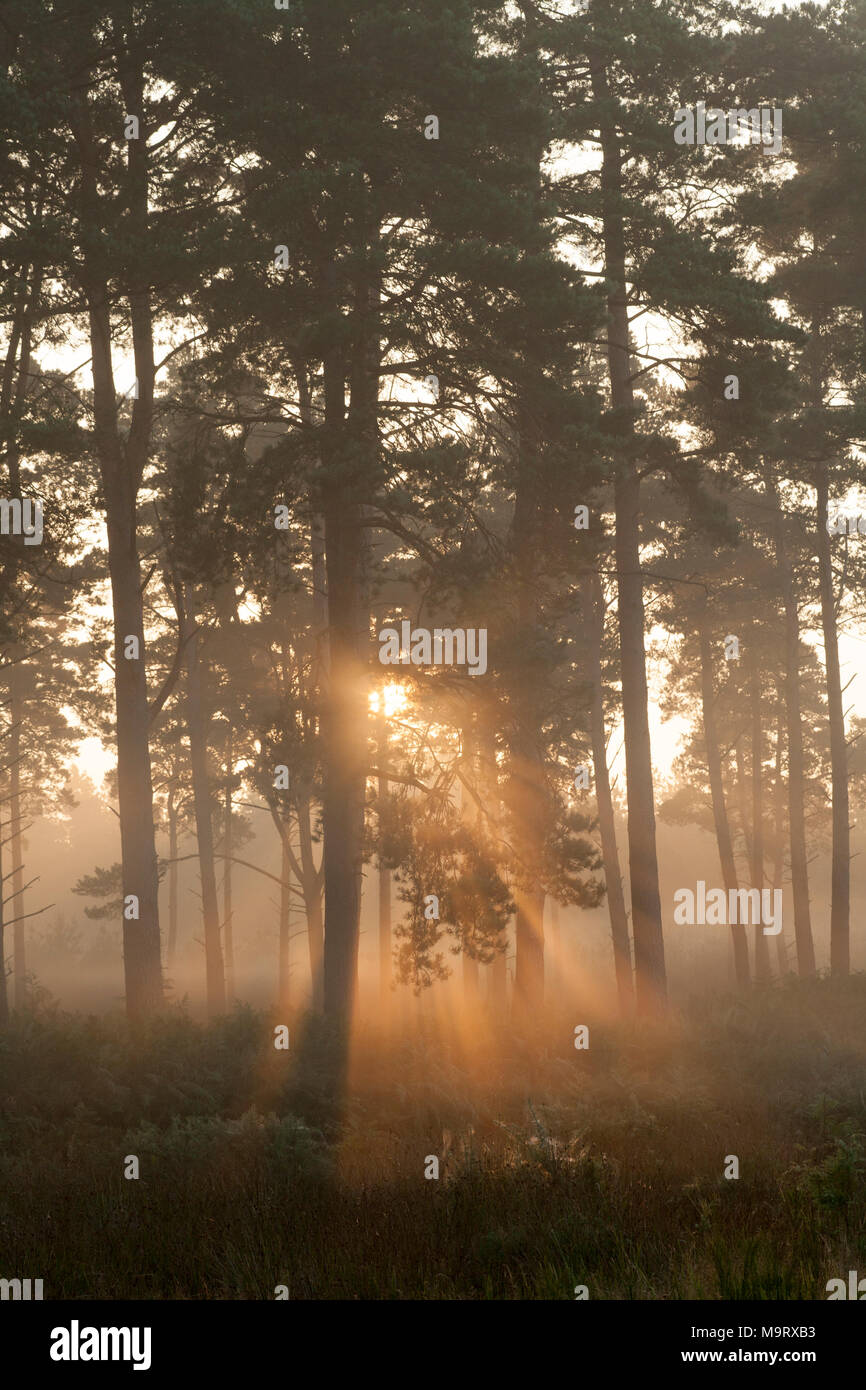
[[343, 757], [320, 598], [527, 791], [141, 943], [497, 971], [228, 929], [350, 454], [13, 395], [594, 612], [498, 984], [649, 954], [196, 721], [316, 936], [528, 999], [16, 830], [553, 917], [283, 983], [12, 398], [796, 769], [384, 937], [311, 879], [743, 796], [840, 889], [468, 813], [16, 366], [321, 678], [121, 463], [762, 949], [779, 832], [311, 887], [4, 997], [172, 877], [717, 795], [384, 875], [553, 980]]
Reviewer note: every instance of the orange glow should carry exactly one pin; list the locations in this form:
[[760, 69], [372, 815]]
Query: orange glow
[[395, 699]]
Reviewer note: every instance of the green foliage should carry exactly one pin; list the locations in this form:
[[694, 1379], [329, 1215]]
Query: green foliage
[[102, 883], [211, 1145]]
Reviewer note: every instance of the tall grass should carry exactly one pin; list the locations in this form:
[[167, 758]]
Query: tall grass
[[557, 1167]]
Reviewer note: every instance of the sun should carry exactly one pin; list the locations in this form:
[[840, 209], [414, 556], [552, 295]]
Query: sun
[[391, 699]]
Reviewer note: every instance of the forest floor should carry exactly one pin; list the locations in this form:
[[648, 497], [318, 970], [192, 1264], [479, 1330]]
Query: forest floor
[[558, 1167]]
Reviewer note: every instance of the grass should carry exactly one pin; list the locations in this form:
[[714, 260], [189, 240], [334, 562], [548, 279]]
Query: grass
[[557, 1168]]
